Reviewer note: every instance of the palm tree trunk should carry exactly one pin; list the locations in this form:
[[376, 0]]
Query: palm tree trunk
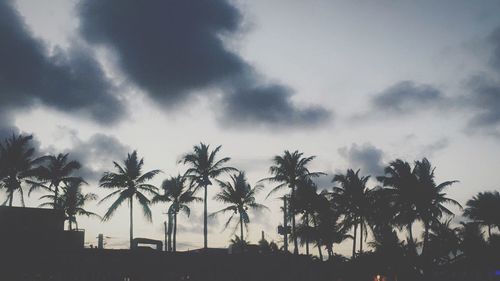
[[361, 237], [166, 235], [330, 252], [354, 240], [70, 225], [285, 224], [315, 224], [205, 224], [169, 232], [241, 232], [56, 191], [175, 233], [131, 222], [76, 224], [426, 236], [489, 231], [320, 253], [292, 210], [307, 233], [410, 232], [11, 195]]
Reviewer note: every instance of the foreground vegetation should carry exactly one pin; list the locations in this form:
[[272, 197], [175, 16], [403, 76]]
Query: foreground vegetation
[[385, 217]]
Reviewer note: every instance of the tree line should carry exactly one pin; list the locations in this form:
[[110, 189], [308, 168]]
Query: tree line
[[407, 194]]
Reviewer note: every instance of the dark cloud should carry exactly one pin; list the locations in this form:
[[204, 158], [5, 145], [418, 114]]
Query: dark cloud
[[96, 154], [169, 48], [7, 128], [70, 81], [172, 49], [494, 40], [484, 102], [367, 157], [406, 97], [269, 105]]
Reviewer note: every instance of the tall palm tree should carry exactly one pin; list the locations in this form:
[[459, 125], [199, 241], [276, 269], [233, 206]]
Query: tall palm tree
[[176, 192], [431, 200], [287, 170], [16, 165], [71, 201], [203, 166], [484, 208], [131, 182], [306, 204], [54, 171], [402, 187], [240, 197], [353, 198], [327, 227], [417, 197]]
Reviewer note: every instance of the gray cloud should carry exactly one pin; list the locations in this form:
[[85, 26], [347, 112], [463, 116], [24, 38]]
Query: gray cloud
[[69, 81], [484, 103], [269, 105], [406, 97], [96, 154], [367, 157], [172, 49], [494, 40]]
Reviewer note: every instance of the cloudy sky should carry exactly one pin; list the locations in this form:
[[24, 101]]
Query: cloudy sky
[[356, 83]]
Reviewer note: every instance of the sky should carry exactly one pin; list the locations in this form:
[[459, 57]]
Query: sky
[[355, 83]]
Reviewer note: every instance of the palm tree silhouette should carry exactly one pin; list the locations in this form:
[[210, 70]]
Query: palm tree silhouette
[[401, 185], [203, 166], [71, 201], [417, 198], [175, 191], [287, 170], [16, 165], [431, 199], [237, 242], [240, 197], [54, 171], [306, 204], [131, 182], [329, 230], [353, 198], [484, 208]]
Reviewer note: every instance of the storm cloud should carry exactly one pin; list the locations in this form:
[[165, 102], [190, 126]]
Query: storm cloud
[[174, 49], [70, 81], [96, 154], [366, 157], [483, 102], [269, 105], [406, 97]]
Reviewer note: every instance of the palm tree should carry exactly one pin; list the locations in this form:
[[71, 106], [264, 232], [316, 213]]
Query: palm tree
[[431, 199], [56, 170], [484, 208], [131, 182], [401, 185], [287, 170], [175, 191], [353, 198], [203, 166], [306, 204], [329, 231], [240, 197], [71, 201], [417, 197], [16, 165], [237, 242]]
